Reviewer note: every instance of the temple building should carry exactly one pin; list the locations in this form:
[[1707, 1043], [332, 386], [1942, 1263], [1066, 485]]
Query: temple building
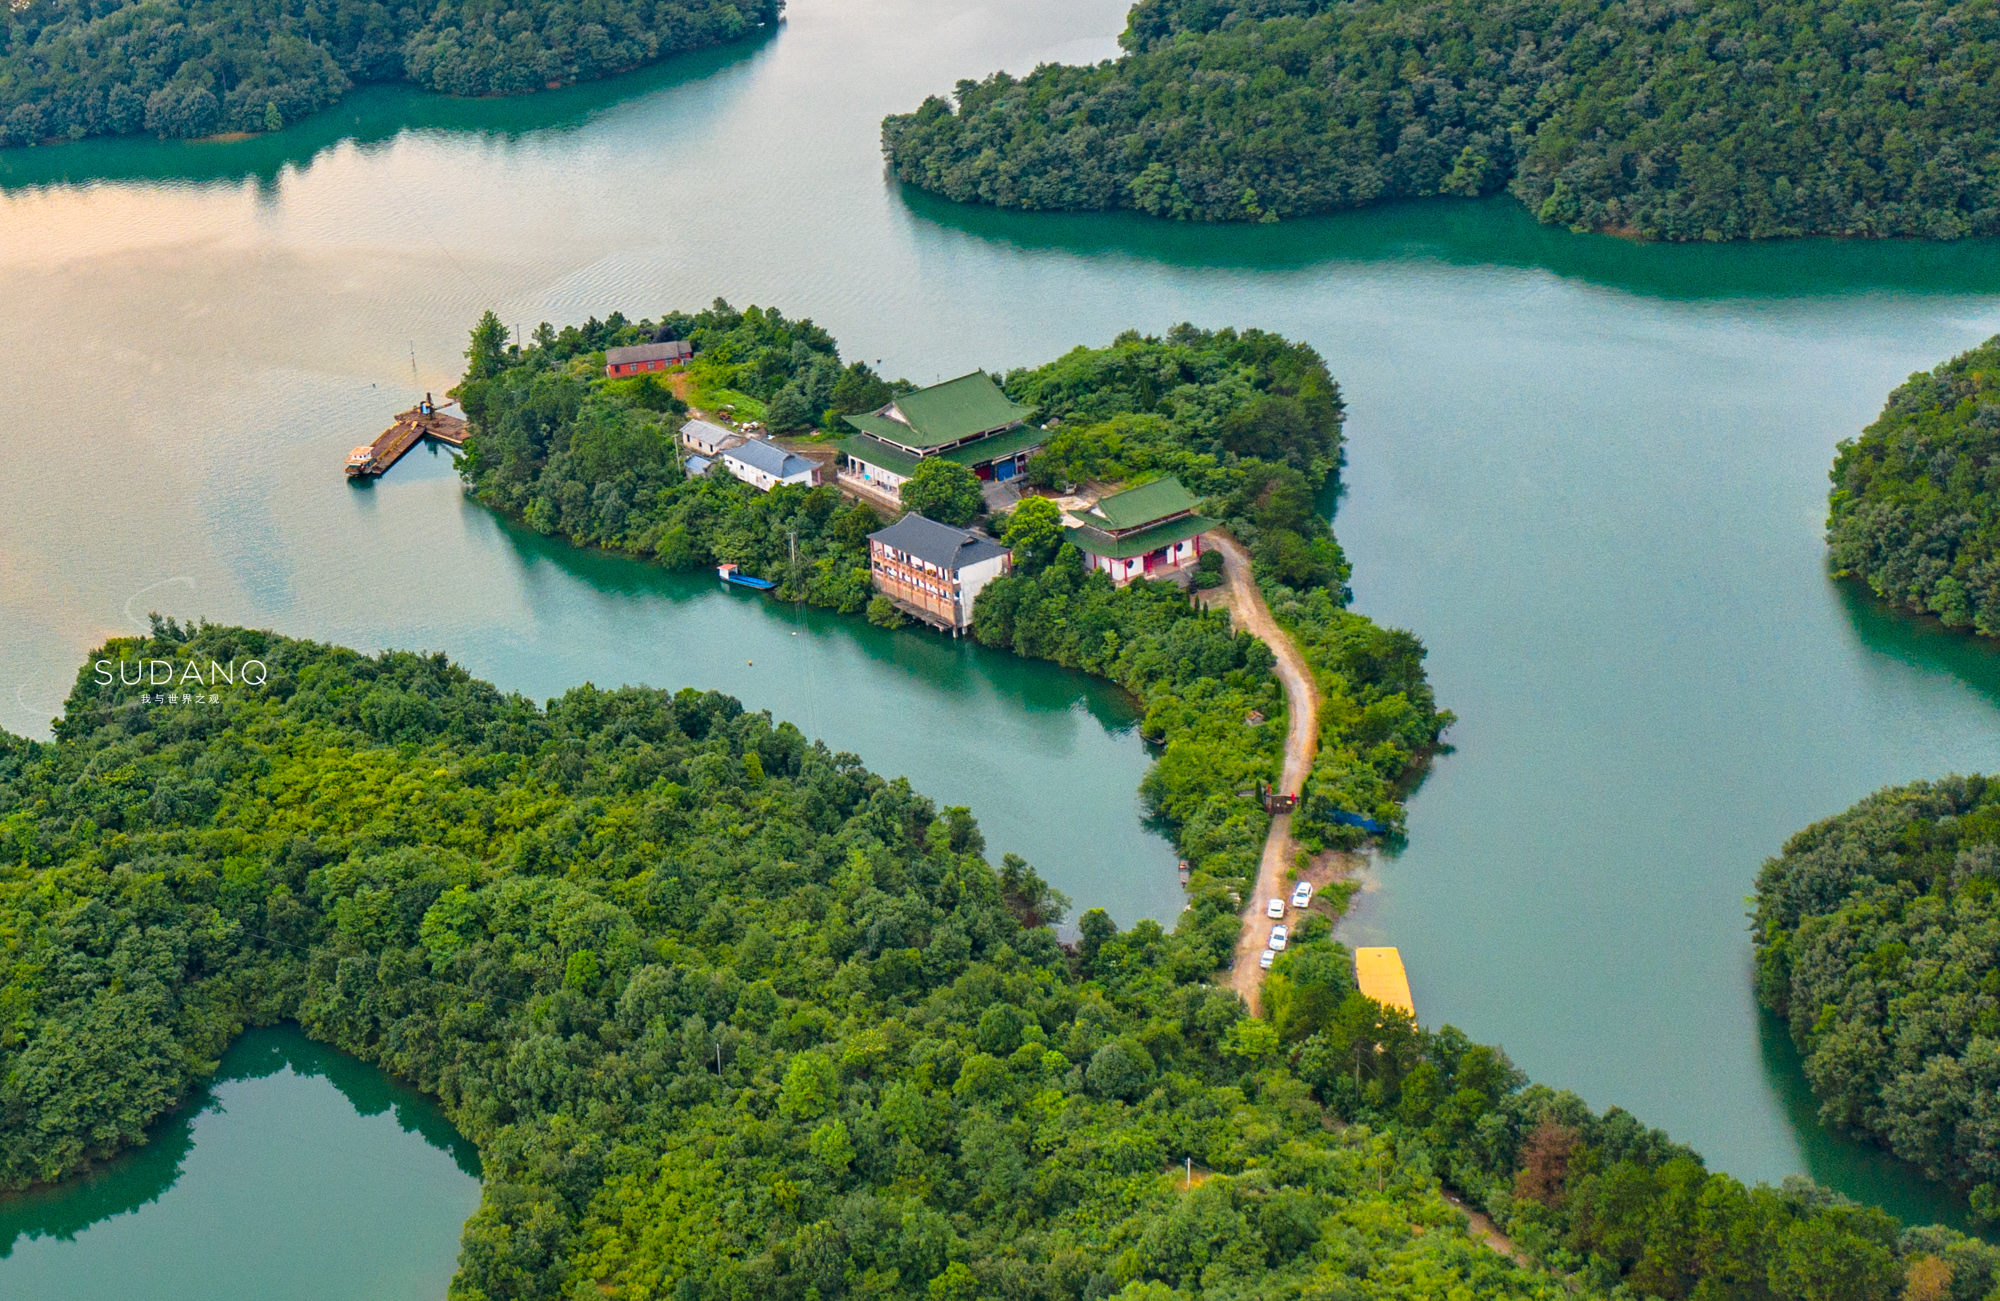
[[967, 420], [1146, 532]]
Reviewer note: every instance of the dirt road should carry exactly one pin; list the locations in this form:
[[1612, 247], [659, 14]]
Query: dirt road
[[1248, 612]]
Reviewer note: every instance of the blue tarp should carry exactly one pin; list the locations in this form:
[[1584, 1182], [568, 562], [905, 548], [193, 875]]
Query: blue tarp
[[1370, 825]]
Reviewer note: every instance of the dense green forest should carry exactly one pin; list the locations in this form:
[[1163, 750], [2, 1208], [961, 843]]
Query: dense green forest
[[1677, 121], [1247, 419], [1916, 499], [1878, 938], [730, 1016], [186, 68]]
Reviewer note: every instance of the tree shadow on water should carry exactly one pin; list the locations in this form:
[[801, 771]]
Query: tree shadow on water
[[1920, 641], [371, 115], [1860, 1169], [1495, 232], [136, 1178]]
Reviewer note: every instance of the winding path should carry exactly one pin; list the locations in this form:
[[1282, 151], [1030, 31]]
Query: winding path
[[1249, 613]]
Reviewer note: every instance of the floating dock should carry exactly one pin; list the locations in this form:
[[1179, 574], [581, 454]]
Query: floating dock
[[1380, 974], [424, 420]]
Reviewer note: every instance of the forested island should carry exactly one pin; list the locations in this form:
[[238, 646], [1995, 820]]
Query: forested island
[[190, 68], [1248, 420], [730, 1016], [1669, 121], [1915, 509], [1878, 939]]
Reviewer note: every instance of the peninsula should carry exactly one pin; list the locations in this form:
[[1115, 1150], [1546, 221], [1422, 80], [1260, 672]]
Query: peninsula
[[1878, 940], [727, 1014], [1915, 507], [191, 68], [1659, 121]]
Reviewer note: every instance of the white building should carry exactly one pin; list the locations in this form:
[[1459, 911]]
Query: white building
[[708, 439], [765, 466]]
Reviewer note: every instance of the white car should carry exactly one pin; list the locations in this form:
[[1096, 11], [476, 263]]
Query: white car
[[1303, 896], [1275, 909], [1278, 937], [1266, 958]]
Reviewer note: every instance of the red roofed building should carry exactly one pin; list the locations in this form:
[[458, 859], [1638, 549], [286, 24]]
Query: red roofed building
[[642, 357]]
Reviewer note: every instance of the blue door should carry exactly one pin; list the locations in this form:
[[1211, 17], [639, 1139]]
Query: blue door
[[1003, 471]]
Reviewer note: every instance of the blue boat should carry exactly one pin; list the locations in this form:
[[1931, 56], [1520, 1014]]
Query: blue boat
[[731, 574]]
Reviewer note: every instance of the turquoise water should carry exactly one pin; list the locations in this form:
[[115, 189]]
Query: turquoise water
[[269, 1185], [1590, 474]]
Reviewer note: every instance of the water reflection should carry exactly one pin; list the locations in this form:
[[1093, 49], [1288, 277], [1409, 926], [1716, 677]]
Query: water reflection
[[951, 670], [370, 116], [1860, 1169], [1921, 641], [1495, 232], [141, 1177]]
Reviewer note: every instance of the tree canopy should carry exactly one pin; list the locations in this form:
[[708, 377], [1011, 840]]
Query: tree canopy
[[186, 68], [944, 491], [1878, 938], [730, 1016], [1916, 499], [1745, 119]]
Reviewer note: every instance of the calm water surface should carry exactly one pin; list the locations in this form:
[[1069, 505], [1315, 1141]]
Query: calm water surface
[[1590, 474], [301, 1174]]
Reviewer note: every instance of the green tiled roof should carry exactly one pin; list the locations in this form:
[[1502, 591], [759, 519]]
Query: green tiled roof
[[880, 427], [1140, 506], [878, 453], [1005, 443], [1099, 543], [895, 459], [955, 409]]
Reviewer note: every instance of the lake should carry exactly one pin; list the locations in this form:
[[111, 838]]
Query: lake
[[269, 1185], [1590, 474]]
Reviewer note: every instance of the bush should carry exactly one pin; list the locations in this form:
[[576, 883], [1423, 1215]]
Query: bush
[[882, 612]]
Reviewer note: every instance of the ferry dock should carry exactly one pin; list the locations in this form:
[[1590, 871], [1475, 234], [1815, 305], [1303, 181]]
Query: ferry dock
[[424, 420]]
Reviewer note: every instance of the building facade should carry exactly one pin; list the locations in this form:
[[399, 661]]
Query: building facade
[[709, 439], [765, 466], [1151, 531], [934, 571], [967, 420], [643, 357]]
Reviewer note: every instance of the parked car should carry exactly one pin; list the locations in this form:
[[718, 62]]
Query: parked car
[[1303, 896], [1266, 958], [1275, 908], [1279, 935]]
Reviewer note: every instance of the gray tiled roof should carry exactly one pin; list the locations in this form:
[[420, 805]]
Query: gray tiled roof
[[705, 431], [774, 461], [676, 350], [941, 544]]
